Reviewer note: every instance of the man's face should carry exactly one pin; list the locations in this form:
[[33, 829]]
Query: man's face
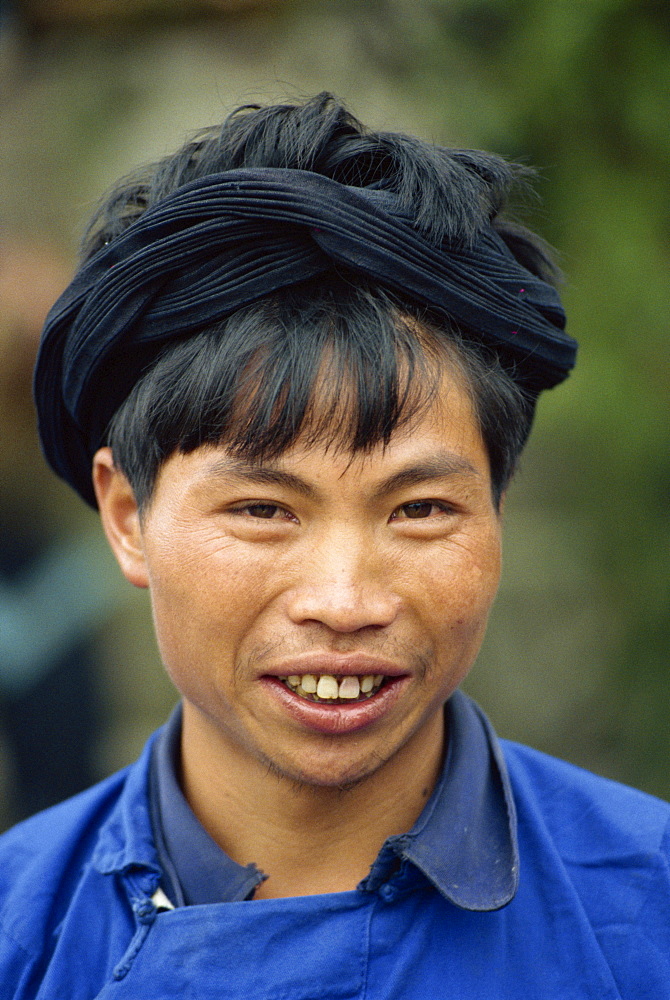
[[323, 565]]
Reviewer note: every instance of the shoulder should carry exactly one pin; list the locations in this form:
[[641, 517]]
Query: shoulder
[[40, 856], [588, 817], [49, 860], [37, 849], [599, 850]]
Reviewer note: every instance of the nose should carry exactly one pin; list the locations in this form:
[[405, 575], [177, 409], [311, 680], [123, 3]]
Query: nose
[[342, 585]]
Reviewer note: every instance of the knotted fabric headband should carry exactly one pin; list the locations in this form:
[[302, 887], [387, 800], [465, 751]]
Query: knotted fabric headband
[[229, 239]]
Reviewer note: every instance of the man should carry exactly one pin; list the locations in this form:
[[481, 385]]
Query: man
[[295, 372]]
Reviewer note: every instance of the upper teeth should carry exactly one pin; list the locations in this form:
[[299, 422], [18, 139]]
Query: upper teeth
[[326, 687]]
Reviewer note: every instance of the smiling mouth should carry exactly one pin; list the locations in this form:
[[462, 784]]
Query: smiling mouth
[[332, 690]]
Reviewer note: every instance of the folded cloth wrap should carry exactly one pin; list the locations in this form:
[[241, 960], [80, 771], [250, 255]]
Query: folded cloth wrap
[[228, 239]]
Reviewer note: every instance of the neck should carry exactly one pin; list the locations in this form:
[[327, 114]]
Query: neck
[[307, 838]]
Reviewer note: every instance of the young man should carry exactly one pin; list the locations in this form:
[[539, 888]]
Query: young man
[[294, 372]]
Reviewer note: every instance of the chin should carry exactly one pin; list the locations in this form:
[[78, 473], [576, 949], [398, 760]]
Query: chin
[[324, 777]]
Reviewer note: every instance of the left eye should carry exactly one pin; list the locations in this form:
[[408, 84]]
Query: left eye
[[419, 509], [264, 510]]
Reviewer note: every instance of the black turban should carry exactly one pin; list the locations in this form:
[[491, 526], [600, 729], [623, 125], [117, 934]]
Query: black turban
[[228, 239]]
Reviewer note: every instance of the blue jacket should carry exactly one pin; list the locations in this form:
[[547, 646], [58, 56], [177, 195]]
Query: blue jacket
[[591, 917]]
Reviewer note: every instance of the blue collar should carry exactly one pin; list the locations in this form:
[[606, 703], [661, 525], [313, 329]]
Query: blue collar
[[464, 841]]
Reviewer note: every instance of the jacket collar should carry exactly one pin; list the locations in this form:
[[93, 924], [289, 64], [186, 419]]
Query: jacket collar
[[126, 839], [464, 842]]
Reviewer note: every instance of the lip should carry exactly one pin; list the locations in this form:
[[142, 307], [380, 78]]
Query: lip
[[340, 719]]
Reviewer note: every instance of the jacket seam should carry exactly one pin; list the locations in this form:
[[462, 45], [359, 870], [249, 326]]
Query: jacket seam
[[33, 956]]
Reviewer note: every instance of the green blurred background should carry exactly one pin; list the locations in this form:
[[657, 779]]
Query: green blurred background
[[575, 662]]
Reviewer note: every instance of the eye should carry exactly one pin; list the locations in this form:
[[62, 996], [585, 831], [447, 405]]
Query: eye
[[420, 509], [262, 510], [265, 510]]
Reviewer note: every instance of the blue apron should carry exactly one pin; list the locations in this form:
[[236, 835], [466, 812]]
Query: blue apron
[[346, 945]]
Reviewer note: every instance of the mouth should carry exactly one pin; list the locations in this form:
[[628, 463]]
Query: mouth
[[334, 694], [331, 690]]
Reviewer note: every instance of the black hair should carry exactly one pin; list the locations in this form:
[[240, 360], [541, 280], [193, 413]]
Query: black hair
[[336, 363], [249, 381]]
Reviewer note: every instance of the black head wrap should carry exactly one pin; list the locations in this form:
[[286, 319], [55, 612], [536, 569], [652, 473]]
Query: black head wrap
[[228, 239]]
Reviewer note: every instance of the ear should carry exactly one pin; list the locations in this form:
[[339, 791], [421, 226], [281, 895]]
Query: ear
[[120, 517]]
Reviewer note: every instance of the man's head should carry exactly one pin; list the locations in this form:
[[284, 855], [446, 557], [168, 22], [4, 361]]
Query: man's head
[[303, 358]]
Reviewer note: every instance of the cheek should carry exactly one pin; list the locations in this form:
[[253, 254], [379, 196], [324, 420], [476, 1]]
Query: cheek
[[205, 572], [459, 586], [205, 597]]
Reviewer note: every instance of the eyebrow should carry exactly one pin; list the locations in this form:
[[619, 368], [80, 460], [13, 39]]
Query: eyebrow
[[444, 465], [263, 475], [441, 466]]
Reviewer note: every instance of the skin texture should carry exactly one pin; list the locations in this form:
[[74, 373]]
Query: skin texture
[[318, 561]]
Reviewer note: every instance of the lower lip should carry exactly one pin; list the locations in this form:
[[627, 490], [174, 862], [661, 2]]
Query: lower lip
[[335, 720]]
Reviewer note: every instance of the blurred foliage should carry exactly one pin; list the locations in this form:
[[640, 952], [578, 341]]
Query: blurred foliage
[[576, 657]]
